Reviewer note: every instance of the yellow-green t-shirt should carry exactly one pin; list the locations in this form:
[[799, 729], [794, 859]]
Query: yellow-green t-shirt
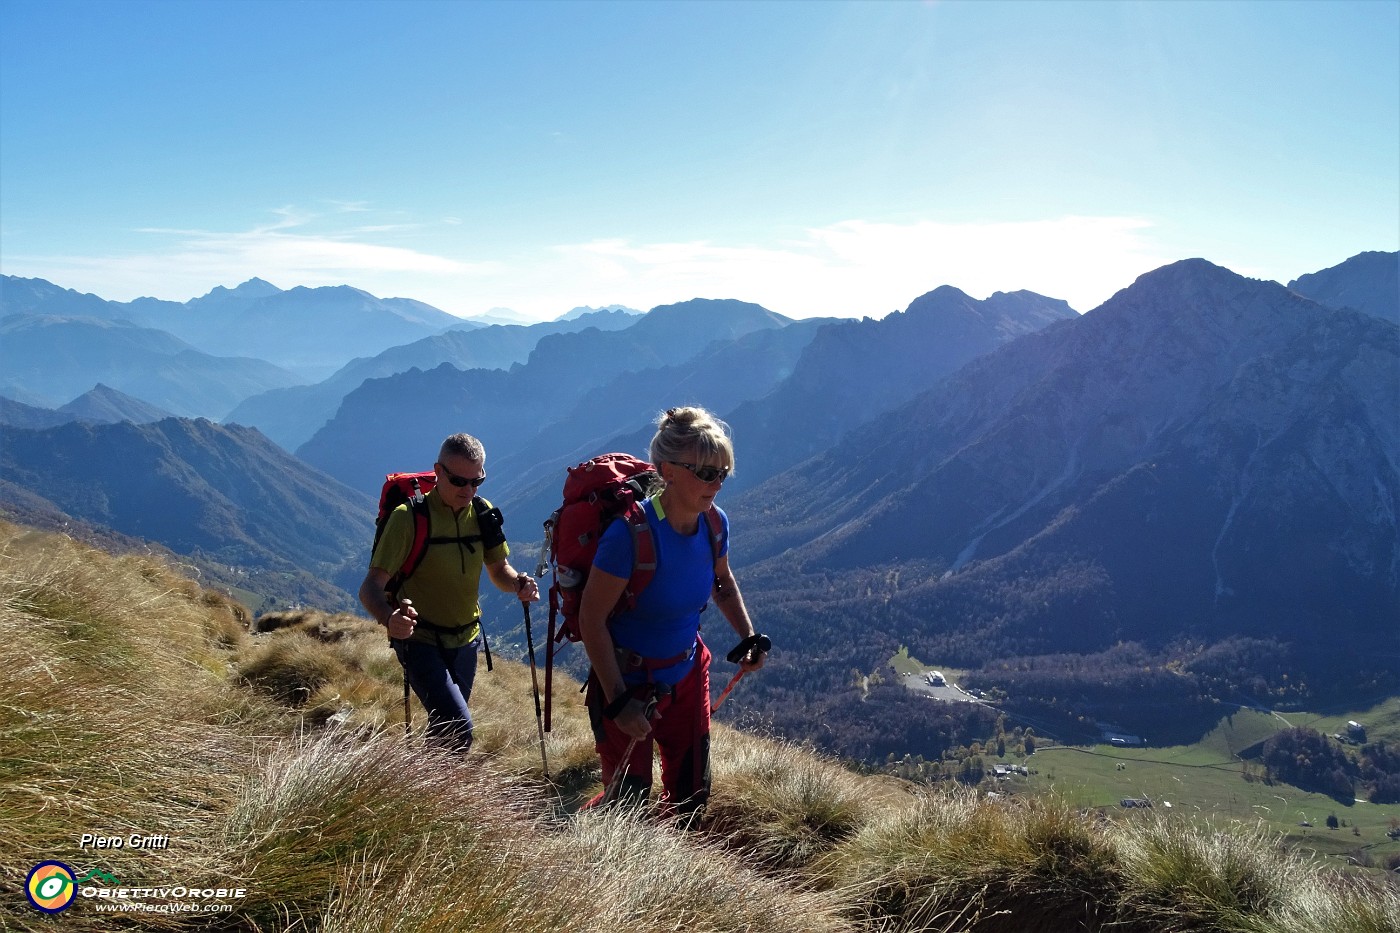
[[445, 587]]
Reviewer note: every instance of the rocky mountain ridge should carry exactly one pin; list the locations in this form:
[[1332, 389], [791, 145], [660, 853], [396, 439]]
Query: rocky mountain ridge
[[51, 359], [1203, 454]]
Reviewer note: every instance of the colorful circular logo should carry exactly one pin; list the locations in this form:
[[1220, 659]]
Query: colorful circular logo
[[50, 887]]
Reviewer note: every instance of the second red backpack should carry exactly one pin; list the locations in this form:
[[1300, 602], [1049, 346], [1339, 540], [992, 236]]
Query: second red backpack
[[596, 492]]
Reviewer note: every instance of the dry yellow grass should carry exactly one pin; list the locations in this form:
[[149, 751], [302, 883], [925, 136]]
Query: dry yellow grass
[[276, 762]]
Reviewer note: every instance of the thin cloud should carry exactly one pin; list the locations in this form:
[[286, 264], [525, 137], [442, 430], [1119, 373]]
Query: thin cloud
[[849, 269], [861, 267], [193, 261], [1083, 260]]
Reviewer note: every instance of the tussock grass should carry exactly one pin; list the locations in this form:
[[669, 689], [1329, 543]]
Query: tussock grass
[[116, 707], [642, 877], [1242, 879], [317, 814], [134, 702], [783, 806], [954, 860], [331, 668]]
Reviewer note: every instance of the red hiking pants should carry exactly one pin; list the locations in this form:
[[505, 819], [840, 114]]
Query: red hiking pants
[[680, 729]]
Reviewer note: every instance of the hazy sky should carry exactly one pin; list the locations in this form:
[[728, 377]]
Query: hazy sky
[[827, 158]]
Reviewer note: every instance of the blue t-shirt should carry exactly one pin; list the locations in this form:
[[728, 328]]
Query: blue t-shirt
[[666, 619]]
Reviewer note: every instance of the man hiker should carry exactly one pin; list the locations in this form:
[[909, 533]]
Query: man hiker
[[434, 617]]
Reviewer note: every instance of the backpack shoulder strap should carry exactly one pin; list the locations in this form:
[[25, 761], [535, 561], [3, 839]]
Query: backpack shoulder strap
[[643, 552], [491, 523], [422, 525], [716, 526]]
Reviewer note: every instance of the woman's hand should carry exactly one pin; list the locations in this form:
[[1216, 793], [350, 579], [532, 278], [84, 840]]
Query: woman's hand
[[753, 660], [633, 719]]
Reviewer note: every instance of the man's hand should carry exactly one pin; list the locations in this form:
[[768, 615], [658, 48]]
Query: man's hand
[[526, 588], [402, 620]]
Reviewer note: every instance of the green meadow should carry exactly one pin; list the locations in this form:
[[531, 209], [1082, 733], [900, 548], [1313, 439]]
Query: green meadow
[[1207, 781]]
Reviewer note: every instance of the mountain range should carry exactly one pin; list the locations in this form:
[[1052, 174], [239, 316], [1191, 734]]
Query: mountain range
[[49, 360], [1202, 459], [397, 422], [1367, 282], [1201, 463], [856, 370], [100, 404], [237, 505], [309, 331], [291, 416]]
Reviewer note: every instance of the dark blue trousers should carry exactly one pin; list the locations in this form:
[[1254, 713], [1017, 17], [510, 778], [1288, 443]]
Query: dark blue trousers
[[442, 680]]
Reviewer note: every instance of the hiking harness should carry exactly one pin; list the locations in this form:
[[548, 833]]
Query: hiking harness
[[651, 692]]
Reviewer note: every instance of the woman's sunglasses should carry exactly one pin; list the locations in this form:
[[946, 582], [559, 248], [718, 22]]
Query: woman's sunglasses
[[705, 474], [460, 481]]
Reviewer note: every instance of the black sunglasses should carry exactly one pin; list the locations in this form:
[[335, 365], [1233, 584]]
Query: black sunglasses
[[460, 481], [705, 474]]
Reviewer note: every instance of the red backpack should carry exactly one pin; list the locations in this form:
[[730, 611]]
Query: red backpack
[[597, 491], [412, 488]]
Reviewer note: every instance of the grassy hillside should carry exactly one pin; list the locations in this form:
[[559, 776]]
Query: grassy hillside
[[275, 769]]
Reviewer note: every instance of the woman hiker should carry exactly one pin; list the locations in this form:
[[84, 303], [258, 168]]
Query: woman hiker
[[650, 680]]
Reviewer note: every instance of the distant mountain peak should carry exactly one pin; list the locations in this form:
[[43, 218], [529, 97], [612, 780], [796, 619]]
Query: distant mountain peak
[[1186, 271], [945, 292], [1188, 292], [584, 310], [104, 404], [732, 306], [506, 316], [253, 288], [1367, 282]]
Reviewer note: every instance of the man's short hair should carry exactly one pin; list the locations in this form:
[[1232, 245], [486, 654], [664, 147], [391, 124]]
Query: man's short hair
[[463, 445]]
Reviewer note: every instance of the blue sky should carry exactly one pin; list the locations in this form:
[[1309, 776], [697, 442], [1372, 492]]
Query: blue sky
[[819, 158]]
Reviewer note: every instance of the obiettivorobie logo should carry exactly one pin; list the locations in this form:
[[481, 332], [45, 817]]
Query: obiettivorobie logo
[[51, 886]]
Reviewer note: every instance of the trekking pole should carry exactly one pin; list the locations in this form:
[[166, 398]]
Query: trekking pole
[[540, 569], [403, 665], [737, 654], [535, 680]]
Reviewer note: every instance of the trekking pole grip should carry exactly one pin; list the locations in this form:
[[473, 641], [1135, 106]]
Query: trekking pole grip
[[742, 650]]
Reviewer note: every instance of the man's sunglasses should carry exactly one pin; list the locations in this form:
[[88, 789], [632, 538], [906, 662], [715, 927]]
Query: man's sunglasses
[[705, 474], [460, 481]]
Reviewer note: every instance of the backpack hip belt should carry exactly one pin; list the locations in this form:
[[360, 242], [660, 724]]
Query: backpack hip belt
[[629, 660], [445, 629]]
